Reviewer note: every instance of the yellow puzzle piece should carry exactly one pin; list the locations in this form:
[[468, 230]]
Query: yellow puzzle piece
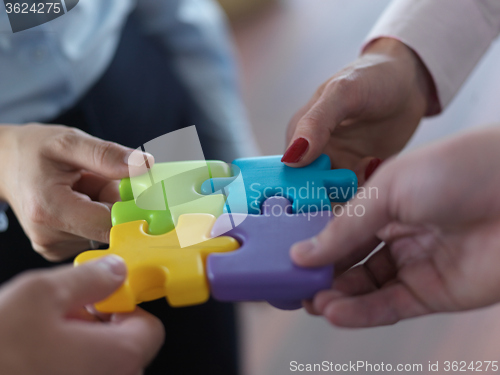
[[158, 266]]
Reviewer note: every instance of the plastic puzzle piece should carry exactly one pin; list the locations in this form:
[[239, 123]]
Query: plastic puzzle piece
[[167, 191], [311, 188], [160, 221], [158, 266], [262, 268], [164, 171]]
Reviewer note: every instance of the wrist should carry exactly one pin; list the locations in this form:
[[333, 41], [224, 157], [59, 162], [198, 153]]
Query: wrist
[[424, 85]]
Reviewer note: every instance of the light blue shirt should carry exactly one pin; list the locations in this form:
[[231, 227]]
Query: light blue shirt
[[46, 69]]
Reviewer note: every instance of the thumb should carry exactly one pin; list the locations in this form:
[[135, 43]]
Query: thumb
[[107, 159], [348, 239], [89, 283], [313, 131]]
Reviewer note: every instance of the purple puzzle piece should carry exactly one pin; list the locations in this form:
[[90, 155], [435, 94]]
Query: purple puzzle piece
[[262, 268]]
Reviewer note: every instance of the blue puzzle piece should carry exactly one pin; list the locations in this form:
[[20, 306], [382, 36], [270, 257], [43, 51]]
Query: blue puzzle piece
[[311, 188]]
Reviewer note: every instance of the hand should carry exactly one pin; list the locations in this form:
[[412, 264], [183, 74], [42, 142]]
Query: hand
[[44, 330], [438, 211], [369, 109], [61, 183]]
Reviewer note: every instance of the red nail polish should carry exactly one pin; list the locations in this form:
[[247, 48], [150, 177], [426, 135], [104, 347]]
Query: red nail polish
[[296, 151], [372, 167]]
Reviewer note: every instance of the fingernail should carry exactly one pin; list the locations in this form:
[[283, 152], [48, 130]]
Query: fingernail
[[296, 151], [372, 167], [304, 248], [113, 264], [138, 158]]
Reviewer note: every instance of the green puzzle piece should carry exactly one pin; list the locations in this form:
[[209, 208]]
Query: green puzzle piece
[[167, 191], [159, 221]]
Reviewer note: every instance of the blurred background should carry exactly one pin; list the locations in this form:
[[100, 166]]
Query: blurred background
[[287, 49]]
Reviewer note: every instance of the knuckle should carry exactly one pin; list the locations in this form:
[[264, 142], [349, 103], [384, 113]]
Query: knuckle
[[312, 125], [341, 84], [40, 212], [101, 151], [345, 88], [65, 140], [310, 121], [36, 212]]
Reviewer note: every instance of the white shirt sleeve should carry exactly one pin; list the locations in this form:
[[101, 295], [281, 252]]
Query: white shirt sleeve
[[450, 36]]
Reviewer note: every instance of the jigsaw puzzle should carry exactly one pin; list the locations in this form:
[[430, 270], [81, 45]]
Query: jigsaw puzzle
[[167, 232]]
